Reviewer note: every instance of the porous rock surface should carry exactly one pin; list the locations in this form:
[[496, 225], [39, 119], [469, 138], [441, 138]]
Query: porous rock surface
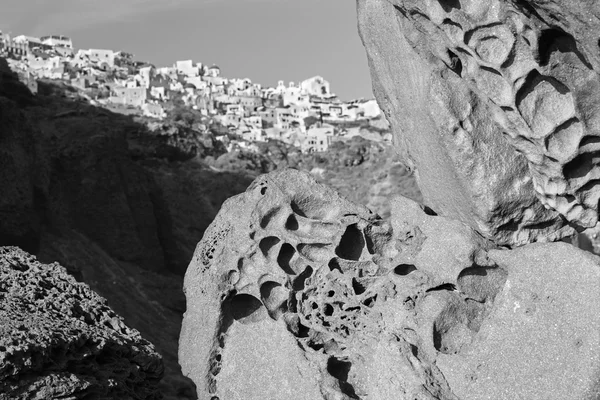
[[59, 339], [296, 293], [496, 104]]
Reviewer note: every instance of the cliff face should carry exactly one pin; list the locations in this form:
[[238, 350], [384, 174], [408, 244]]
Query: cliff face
[[81, 186], [495, 103]]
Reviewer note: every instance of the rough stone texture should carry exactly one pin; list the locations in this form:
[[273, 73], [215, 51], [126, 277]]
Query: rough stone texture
[[59, 339], [420, 307], [495, 103]]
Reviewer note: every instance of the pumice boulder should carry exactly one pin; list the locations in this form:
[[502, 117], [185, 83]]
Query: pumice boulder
[[59, 339], [296, 293], [496, 105]]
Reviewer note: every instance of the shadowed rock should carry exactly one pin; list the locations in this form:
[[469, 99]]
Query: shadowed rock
[[296, 293], [59, 339], [496, 104]]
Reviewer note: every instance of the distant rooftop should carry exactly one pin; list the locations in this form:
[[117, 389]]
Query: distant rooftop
[[58, 37]]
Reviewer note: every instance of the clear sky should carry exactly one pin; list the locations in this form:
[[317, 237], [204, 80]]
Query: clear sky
[[264, 40]]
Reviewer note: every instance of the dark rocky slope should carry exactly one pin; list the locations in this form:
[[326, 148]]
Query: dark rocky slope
[[59, 339]]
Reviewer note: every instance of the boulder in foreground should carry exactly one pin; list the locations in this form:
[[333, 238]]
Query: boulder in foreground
[[296, 293]]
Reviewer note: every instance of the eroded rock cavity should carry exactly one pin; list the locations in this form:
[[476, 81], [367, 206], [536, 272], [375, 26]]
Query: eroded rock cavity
[[496, 104], [296, 293]]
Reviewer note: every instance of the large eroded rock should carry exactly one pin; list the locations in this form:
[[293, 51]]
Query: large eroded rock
[[496, 104], [59, 339], [296, 293]]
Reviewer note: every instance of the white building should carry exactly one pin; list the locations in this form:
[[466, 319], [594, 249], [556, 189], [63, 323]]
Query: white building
[[213, 71], [187, 68], [370, 108], [57, 41], [145, 76], [316, 86], [100, 56], [30, 40], [294, 95], [318, 139]]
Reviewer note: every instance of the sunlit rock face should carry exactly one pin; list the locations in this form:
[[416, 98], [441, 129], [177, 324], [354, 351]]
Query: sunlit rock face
[[496, 104], [296, 293]]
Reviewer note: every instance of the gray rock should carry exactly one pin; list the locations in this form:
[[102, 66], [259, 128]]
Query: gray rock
[[59, 339], [296, 293], [496, 105]]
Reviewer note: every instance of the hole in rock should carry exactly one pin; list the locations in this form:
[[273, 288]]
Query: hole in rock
[[303, 331], [589, 144], [334, 264], [446, 286], [314, 345], [300, 281], [328, 310], [267, 244], [340, 370], [370, 302], [414, 350], [449, 5], [352, 244], [581, 166], [246, 308], [556, 39], [286, 253], [455, 63], [358, 287], [292, 223], [429, 211], [263, 191], [404, 269]]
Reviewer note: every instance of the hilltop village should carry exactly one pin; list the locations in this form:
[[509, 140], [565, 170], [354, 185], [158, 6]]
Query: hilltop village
[[305, 114]]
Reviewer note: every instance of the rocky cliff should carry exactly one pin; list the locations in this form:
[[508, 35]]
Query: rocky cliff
[[495, 104], [82, 186]]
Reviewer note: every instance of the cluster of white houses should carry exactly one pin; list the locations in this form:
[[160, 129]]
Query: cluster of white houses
[[252, 111]]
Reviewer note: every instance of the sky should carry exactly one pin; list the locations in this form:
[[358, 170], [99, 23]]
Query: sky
[[264, 40]]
